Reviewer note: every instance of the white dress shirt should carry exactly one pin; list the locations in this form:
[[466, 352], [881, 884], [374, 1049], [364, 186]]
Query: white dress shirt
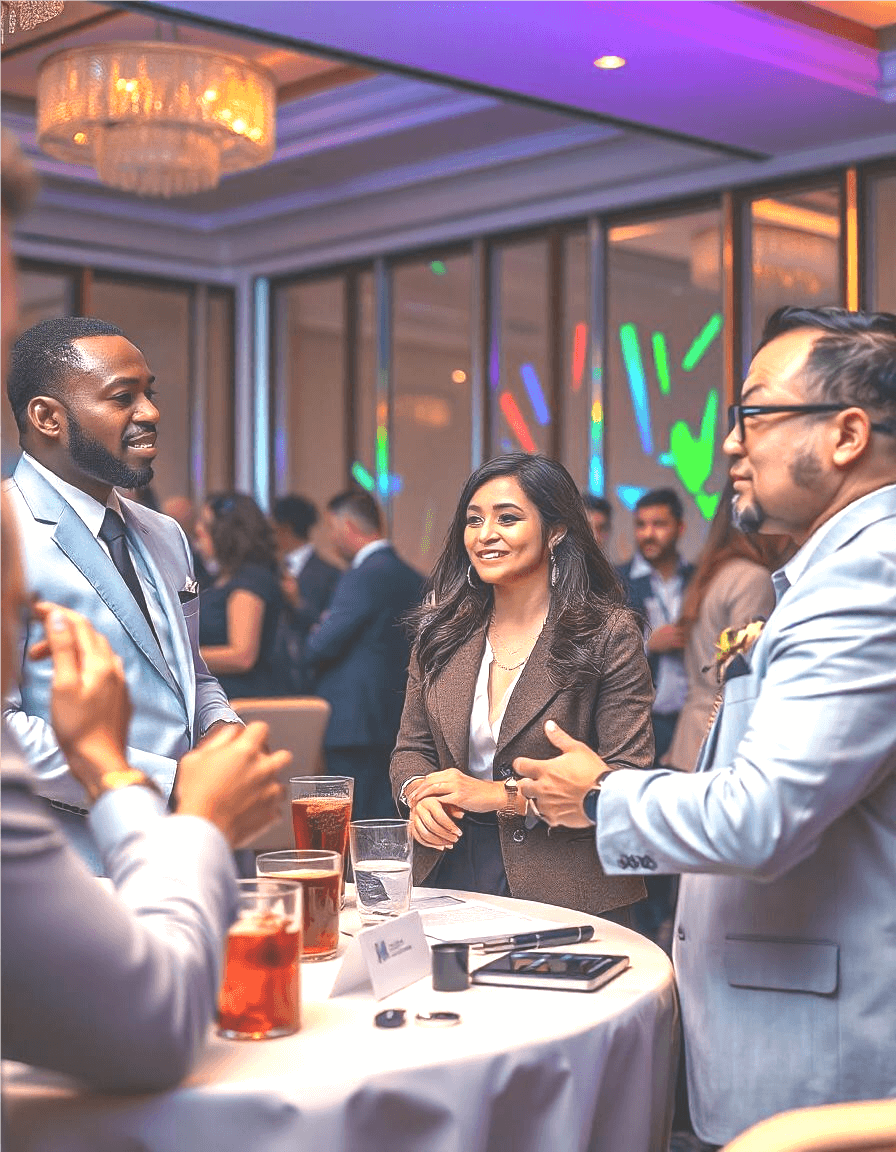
[[484, 733], [664, 607]]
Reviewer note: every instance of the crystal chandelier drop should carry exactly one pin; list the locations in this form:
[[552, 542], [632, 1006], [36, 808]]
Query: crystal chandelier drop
[[26, 14], [155, 118]]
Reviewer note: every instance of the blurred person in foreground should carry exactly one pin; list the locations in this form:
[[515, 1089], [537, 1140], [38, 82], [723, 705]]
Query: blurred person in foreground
[[785, 939], [730, 589], [525, 615], [357, 658], [240, 612], [118, 989]]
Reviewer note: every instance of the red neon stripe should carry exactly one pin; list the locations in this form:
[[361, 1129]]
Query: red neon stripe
[[580, 342], [514, 418]]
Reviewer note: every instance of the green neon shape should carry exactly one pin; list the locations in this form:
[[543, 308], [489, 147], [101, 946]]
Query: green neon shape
[[360, 473], [438, 267], [382, 453], [707, 502], [661, 361], [693, 457], [698, 349]]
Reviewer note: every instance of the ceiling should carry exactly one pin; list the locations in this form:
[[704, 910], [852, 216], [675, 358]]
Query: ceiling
[[399, 123]]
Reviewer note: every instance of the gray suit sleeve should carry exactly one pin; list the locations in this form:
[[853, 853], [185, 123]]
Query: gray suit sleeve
[[818, 741], [116, 988]]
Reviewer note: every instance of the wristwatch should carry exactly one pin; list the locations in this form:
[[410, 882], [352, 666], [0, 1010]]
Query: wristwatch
[[511, 794], [591, 797]]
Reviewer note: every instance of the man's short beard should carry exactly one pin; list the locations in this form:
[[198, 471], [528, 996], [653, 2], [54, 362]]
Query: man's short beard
[[748, 519], [91, 457]]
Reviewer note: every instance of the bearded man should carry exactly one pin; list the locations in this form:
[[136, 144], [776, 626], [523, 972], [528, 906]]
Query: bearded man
[[84, 402]]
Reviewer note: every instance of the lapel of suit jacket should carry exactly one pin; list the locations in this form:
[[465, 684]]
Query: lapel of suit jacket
[[87, 554], [149, 544], [532, 693], [453, 694]]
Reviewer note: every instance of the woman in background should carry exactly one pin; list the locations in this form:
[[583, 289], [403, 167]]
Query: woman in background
[[730, 587], [240, 612], [524, 623]]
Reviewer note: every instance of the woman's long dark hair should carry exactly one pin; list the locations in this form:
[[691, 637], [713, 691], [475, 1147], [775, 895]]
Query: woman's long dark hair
[[586, 591], [240, 532]]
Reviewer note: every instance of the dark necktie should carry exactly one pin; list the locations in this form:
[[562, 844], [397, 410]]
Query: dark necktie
[[113, 536]]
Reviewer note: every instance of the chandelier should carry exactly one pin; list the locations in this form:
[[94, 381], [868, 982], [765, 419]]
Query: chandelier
[[156, 118], [26, 14], [782, 258]]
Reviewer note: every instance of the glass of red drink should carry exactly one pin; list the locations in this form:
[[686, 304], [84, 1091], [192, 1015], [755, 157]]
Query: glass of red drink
[[319, 875], [321, 814], [259, 996]]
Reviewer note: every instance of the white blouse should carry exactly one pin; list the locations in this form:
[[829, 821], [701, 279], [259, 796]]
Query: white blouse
[[483, 735]]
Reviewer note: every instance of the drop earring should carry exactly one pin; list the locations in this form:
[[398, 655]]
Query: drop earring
[[553, 568], [470, 576]]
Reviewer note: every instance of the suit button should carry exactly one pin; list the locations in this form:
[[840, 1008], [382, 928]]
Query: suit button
[[680, 933], [519, 835]]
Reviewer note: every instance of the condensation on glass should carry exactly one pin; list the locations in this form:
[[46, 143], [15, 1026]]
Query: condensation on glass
[[431, 427], [795, 252], [309, 405], [518, 349], [665, 423]]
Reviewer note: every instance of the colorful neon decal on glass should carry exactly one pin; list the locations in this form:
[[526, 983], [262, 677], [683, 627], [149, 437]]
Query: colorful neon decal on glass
[[629, 494], [661, 363], [535, 394], [362, 476], [438, 268], [514, 418], [596, 453], [698, 349], [637, 383], [579, 350]]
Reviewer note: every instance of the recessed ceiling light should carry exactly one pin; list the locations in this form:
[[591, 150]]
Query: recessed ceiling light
[[608, 63]]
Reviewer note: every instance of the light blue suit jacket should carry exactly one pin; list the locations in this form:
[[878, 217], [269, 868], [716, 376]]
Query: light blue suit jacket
[[64, 562], [785, 946]]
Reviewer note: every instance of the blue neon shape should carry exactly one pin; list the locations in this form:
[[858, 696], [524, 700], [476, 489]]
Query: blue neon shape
[[637, 383], [536, 396], [629, 495]]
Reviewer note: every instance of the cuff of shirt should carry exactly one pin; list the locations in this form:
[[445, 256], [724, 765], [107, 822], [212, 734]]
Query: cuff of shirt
[[119, 813]]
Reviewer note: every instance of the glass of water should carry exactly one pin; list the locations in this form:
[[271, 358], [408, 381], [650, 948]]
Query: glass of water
[[381, 860]]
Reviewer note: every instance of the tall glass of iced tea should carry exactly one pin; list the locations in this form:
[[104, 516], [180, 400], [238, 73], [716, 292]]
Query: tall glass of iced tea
[[259, 996], [321, 813], [320, 876]]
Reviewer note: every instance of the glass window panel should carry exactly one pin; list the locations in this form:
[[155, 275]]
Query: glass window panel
[[309, 438], [575, 383], [156, 318], [43, 293], [882, 244], [431, 418], [795, 252], [519, 387], [664, 370], [363, 466], [215, 472]]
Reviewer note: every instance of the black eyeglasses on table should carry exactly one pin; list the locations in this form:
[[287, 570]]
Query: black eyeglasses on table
[[737, 413]]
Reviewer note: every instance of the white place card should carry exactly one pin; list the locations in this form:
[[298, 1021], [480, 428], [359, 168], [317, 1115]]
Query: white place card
[[386, 957]]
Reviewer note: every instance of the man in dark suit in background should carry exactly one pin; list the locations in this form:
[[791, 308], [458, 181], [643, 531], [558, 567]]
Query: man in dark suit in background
[[358, 656], [307, 580]]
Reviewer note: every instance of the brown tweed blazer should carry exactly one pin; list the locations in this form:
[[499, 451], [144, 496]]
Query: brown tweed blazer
[[610, 712]]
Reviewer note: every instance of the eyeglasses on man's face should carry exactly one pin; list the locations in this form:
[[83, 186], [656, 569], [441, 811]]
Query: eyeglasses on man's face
[[737, 414]]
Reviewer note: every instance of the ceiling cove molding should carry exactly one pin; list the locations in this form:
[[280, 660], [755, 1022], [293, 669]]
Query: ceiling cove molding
[[729, 28], [28, 246]]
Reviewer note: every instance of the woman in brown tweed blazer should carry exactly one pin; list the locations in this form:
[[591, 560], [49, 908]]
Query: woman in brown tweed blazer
[[524, 623]]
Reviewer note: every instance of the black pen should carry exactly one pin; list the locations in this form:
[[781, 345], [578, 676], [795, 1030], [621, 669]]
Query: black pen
[[535, 939]]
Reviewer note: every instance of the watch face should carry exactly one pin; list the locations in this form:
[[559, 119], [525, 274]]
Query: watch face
[[589, 804]]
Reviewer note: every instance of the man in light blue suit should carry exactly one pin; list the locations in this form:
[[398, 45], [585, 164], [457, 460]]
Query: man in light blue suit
[[785, 940], [83, 399]]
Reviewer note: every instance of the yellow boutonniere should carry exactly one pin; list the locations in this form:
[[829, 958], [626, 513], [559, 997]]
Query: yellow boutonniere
[[735, 642]]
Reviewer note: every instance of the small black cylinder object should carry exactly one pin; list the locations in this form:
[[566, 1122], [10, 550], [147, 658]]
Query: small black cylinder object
[[450, 967]]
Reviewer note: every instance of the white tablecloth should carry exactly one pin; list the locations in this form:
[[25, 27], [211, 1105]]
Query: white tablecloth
[[527, 1070]]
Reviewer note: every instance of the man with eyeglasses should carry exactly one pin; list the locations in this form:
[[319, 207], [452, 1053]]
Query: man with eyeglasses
[[785, 938], [84, 401]]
